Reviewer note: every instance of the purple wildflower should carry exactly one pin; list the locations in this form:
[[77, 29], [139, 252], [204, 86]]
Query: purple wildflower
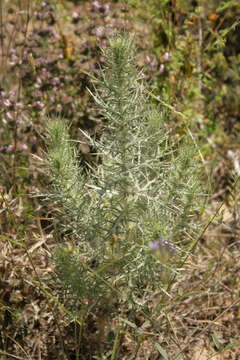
[[160, 243]]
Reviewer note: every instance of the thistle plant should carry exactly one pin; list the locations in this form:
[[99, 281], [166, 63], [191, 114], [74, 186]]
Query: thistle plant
[[132, 218]]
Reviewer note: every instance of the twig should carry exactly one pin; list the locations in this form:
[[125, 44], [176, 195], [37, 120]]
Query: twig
[[11, 355]]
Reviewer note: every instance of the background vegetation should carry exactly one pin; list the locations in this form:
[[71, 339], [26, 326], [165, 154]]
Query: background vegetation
[[189, 53]]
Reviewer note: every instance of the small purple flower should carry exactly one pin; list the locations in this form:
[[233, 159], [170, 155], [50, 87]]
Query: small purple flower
[[11, 93], [99, 31], [166, 56], [154, 245], [161, 69], [160, 243], [9, 115], [106, 7], [55, 81], [7, 103], [24, 147], [19, 105], [38, 105], [75, 17], [96, 5], [9, 149], [167, 244]]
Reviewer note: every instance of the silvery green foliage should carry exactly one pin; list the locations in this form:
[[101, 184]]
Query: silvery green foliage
[[146, 187]]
